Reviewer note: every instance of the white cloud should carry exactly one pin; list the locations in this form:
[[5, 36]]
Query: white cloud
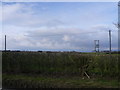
[[17, 14], [45, 39], [20, 15], [66, 38]]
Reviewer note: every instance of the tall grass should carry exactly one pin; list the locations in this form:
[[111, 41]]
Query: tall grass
[[60, 63]]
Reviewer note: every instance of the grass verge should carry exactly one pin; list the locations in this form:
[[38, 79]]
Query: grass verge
[[39, 81]]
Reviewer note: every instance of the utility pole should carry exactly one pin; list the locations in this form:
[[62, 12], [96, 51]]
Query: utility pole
[[98, 45], [5, 42], [95, 44], [110, 41]]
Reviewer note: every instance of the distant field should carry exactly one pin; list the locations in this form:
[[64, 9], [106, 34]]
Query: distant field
[[20, 69]]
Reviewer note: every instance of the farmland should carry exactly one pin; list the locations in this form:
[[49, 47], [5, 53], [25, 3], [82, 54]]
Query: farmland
[[59, 70]]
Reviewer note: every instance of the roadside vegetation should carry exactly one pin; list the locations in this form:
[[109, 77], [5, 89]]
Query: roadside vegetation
[[38, 69]]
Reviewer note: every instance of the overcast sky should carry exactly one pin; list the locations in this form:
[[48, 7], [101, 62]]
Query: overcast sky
[[59, 26]]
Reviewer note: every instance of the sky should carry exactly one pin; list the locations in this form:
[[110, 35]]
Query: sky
[[59, 26]]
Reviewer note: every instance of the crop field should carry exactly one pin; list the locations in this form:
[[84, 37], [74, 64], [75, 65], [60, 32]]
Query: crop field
[[60, 70]]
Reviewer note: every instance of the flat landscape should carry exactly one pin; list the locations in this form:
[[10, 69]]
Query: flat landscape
[[60, 70], [60, 44]]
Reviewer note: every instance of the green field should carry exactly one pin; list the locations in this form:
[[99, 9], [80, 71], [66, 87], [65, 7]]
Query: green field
[[59, 69]]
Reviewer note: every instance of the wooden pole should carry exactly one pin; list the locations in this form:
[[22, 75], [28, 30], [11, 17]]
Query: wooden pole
[[110, 41], [5, 42]]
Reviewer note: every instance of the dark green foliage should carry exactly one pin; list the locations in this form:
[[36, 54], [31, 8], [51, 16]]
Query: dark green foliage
[[42, 81], [60, 63]]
